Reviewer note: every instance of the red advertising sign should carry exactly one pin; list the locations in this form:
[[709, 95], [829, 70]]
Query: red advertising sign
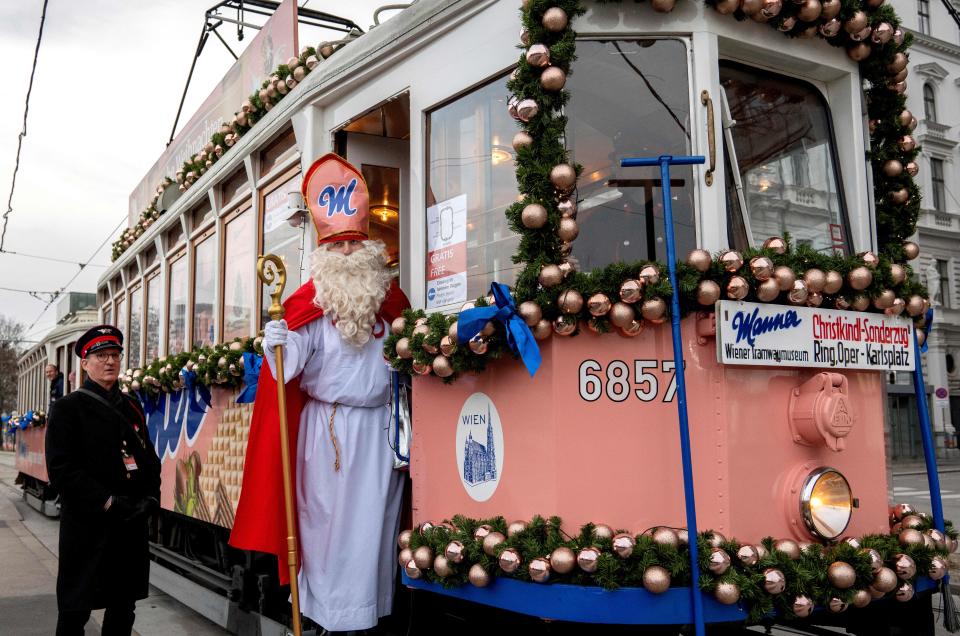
[[274, 44]]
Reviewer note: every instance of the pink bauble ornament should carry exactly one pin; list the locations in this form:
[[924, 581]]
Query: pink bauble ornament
[[737, 288], [731, 260], [538, 55], [509, 560], [588, 559], [802, 606], [774, 582], [623, 545], [761, 267], [539, 570]]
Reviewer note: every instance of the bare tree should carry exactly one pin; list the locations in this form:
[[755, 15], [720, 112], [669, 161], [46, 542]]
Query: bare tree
[[11, 337]]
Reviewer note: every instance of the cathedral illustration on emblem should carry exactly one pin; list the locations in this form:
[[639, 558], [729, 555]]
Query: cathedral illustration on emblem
[[479, 461]]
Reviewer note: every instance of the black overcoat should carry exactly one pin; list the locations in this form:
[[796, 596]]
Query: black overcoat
[[103, 559]]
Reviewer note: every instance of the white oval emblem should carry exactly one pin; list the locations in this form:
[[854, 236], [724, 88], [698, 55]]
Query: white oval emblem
[[479, 447]]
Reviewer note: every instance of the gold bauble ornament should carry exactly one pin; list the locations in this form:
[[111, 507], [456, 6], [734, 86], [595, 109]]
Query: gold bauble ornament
[[602, 531], [899, 62], [398, 325], [939, 539], [719, 561], [588, 559], [663, 6], [509, 560], [905, 566], [623, 545], [830, 10], [411, 570], [533, 216], [789, 547], [656, 579], [911, 250], [553, 79], [802, 606], [815, 280], [860, 278], [563, 177], [522, 140], [665, 536], [814, 299], [403, 348], [726, 7], [809, 10], [539, 570], [649, 275], [907, 143], [570, 301], [900, 196], [516, 527], [653, 310], [423, 557], [885, 580], [598, 305], [787, 24], [564, 325], [481, 532], [478, 576], [714, 539], [856, 22], [728, 593], [841, 575], [837, 605], [785, 277], [833, 282], [454, 552], [876, 561], [830, 28], [568, 229], [798, 293], [896, 308], [405, 556], [421, 368], [731, 260], [542, 330], [700, 260], [442, 366], [530, 312], [550, 275], [632, 330], [860, 303], [761, 267], [771, 9], [748, 554], [708, 292], [622, 315], [897, 273], [555, 19], [478, 345], [448, 345], [567, 207], [904, 592], [938, 568], [491, 541], [884, 299], [858, 52], [921, 338], [892, 168], [538, 55], [631, 291], [774, 581], [527, 109], [912, 168], [776, 245], [861, 598], [737, 288], [441, 566]]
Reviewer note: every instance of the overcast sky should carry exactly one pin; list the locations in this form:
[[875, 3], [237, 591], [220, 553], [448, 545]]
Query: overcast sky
[[108, 81]]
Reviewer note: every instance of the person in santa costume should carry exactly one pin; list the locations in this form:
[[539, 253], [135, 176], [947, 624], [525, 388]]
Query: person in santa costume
[[338, 392]]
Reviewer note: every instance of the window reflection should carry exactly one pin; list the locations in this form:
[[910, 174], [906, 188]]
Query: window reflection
[[135, 336], [153, 319], [121, 323], [238, 277], [471, 177], [177, 329], [203, 292], [629, 99], [284, 240], [783, 149]]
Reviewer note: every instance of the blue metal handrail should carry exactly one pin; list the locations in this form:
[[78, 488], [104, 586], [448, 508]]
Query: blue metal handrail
[[665, 161]]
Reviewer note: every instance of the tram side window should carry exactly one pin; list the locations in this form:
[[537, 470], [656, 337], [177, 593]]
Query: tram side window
[[291, 244], [786, 179], [135, 338], [470, 183], [238, 276], [629, 98], [204, 291], [153, 319], [177, 327], [121, 323], [107, 314]]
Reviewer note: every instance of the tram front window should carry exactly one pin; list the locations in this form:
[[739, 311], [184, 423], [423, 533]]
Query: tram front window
[[778, 134], [629, 98]]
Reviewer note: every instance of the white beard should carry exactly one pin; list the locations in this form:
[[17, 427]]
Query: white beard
[[351, 288]]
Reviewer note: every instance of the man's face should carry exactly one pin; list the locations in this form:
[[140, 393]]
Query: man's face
[[50, 371], [103, 366], [345, 247]]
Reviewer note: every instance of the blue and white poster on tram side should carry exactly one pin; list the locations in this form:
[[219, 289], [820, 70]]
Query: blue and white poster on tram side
[[761, 334]]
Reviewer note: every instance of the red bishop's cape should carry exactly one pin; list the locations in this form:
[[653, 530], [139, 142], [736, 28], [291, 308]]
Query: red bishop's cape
[[260, 522]]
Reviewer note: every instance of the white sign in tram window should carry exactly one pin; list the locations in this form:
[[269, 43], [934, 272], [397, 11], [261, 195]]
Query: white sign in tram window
[[447, 252], [760, 334]]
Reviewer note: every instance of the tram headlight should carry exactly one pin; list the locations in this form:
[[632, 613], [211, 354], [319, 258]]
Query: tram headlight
[[826, 503]]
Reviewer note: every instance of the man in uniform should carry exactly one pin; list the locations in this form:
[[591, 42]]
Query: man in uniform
[[101, 460], [347, 492], [56, 383]]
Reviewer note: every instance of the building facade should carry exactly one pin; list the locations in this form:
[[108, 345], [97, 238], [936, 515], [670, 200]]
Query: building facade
[[933, 96]]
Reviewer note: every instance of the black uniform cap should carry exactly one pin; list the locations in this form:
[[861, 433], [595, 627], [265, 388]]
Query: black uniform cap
[[97, 339]]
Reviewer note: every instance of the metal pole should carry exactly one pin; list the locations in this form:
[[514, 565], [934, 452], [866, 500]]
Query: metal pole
[[929, 454], [665, 161], [186, 87], [276, 313]]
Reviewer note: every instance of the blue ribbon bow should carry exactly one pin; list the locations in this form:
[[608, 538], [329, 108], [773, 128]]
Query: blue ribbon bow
[[193, 390], [519, 337], [926, 329], [251, 375]]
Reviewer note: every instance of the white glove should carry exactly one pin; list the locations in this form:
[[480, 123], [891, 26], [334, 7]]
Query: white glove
[[275, 334]]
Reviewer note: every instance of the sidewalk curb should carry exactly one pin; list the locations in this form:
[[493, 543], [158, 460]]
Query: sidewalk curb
[[910, 473]]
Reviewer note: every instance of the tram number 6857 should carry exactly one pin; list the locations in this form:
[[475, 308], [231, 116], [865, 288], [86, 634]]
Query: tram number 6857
[[616, 381]]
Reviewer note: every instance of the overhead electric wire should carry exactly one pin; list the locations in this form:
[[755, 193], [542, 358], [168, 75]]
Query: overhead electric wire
[[50, 258], [23, 133]]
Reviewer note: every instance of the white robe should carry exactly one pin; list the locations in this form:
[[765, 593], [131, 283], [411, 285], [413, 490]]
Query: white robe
[[349, 519]]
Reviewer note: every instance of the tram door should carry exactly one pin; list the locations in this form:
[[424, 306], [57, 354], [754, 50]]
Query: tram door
[[377, 143]]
